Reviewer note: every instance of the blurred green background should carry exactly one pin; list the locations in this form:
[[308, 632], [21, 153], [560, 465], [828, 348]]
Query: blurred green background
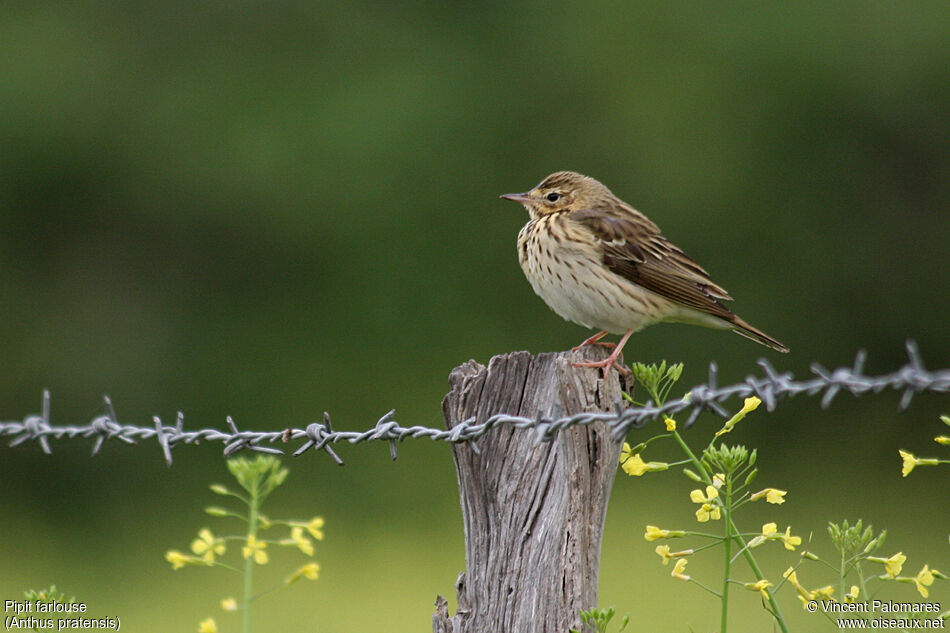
[[269, 210]]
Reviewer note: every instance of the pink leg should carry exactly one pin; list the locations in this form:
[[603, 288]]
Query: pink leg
[[611, 360], [593, 341]]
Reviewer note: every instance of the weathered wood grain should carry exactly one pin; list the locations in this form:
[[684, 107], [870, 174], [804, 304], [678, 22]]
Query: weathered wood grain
[[533, 512]]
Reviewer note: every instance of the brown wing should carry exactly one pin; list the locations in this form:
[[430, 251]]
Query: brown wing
[[634, 249]]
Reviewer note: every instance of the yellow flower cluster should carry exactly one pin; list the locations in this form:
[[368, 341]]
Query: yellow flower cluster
[[911, 461]]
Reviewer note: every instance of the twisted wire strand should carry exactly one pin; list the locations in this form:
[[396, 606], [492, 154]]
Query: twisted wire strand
[[770, 387]]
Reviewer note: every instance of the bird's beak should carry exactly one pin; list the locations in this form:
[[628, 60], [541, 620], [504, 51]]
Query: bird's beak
[[523, 198]]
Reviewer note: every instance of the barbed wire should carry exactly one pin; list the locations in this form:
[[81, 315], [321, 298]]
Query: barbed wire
[[911, 379]]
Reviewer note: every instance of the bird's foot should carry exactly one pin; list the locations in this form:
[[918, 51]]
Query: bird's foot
[[595, 340], [609, 362], [606, 364]]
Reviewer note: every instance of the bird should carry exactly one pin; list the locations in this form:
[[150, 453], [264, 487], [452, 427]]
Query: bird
[[598, 262]]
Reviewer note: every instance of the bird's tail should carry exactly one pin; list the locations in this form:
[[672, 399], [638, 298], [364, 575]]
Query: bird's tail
[[742, 328]]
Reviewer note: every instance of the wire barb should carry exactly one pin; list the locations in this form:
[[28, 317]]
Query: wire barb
[[772, 386]]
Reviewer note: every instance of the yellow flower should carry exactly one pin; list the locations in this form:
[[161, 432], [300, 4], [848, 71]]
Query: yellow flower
[[256, 549], [790, 542], [942, 439], [709, 508], [176, 558], [708, 511], [652, 533], [697, 496], [207, 546], [678, 570], [179, 560], [229, 604], [767, 530], [853, 594], [748, 406], [310, 571], [761, 586], [628, 451], [803, 594], [924, 579], [910, 461], [892, 565], [719, 480], [297, 538], [792, 576], [772, 495], [775, 496], [770, 532], [633, 464], [207, 626], [664, 552], [315, 527], [670, 424]]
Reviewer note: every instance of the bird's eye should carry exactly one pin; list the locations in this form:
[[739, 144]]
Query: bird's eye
[[553, 196]]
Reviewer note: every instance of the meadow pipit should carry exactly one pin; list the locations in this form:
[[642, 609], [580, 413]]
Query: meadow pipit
[[600, 263]]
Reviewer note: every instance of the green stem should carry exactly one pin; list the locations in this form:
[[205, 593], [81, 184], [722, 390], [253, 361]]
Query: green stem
[[841, 575], [862, 584], [253, 506], [695, 460], [702, 586], [727, 546], [822, 561], [776, 611]]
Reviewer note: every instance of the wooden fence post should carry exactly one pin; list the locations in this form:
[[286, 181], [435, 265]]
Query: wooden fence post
[[533, 511]]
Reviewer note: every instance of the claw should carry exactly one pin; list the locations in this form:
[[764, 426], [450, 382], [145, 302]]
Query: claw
[[593, 341], [605, 365], [609, 362]]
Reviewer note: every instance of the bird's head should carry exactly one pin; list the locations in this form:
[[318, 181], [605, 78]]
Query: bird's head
[[562, 191]]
